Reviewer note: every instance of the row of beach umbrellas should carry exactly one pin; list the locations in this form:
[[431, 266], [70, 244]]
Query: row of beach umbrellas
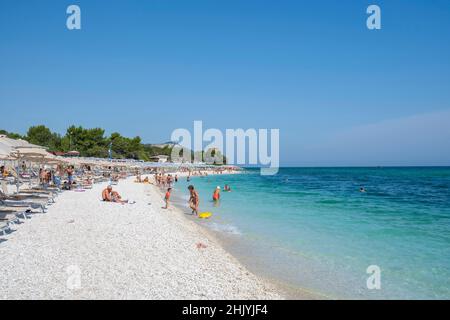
[[21, 150], [18, 149]]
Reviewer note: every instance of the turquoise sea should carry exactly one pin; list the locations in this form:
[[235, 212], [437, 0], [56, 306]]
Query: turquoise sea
[[312, 228]]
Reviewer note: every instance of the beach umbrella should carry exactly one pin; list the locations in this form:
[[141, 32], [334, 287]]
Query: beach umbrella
[[5, 152], [17, 143], [27, 152]]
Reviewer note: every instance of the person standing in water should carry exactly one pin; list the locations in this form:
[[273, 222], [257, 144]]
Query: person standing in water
[[216, 194], [194, 200]]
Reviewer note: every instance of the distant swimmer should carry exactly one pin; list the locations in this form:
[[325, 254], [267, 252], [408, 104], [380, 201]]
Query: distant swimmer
[[362, 189], [216, 194], [227, 188]]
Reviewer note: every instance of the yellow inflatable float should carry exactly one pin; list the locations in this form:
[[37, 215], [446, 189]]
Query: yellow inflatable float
[[205, 215]]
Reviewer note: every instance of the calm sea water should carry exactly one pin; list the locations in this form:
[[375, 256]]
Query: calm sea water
[[312, 228]]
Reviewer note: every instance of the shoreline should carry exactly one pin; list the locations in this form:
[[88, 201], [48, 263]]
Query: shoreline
[[270, 284], [133, 251], [286, 290]]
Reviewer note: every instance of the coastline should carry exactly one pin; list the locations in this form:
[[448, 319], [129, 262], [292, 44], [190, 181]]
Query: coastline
[[286, 290], [279, 290], [133, 251]]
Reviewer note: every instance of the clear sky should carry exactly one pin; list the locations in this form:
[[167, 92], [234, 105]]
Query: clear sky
[[339, 93]]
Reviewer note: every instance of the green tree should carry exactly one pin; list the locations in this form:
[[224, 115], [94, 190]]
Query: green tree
[[89, 142], [11, 135], [93, 143], [123, 147], [42, 136]]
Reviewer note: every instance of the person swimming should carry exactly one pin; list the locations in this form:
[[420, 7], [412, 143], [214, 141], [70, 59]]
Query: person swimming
[[362, 189], [227, 188]]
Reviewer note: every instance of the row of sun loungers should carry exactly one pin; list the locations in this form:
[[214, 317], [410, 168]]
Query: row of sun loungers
[[17, 206], [20, 205]]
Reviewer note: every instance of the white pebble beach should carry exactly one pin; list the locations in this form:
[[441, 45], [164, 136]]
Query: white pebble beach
[[83, 248]]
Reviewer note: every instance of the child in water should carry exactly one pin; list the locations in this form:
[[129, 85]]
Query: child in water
[[216, 194]]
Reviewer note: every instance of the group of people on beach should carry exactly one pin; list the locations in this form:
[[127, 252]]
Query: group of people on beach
[[163, 180], [167, 181]]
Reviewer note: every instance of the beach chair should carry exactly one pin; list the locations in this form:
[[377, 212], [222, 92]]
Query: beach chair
[[5, 221], [38, 194], [22, 205], [27, 195], [13, 214], [86, 182], [25, 200], [5, 226]]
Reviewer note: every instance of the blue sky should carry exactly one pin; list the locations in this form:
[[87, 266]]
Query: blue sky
[[339, 93]]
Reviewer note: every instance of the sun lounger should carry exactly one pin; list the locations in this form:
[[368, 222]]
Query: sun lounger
[[39, 189], [27, 195], [27, 199], [5, 225], [22, 205], [15, 211], [36, 193], [25, 203]]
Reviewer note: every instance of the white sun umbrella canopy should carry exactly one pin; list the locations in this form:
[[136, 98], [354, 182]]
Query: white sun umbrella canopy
[[26, 152], [14, 143], [5, 152]]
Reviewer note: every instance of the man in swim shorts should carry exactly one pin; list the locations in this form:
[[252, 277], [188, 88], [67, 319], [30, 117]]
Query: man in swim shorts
[[106, 194], [194, 200], [109, 195]]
